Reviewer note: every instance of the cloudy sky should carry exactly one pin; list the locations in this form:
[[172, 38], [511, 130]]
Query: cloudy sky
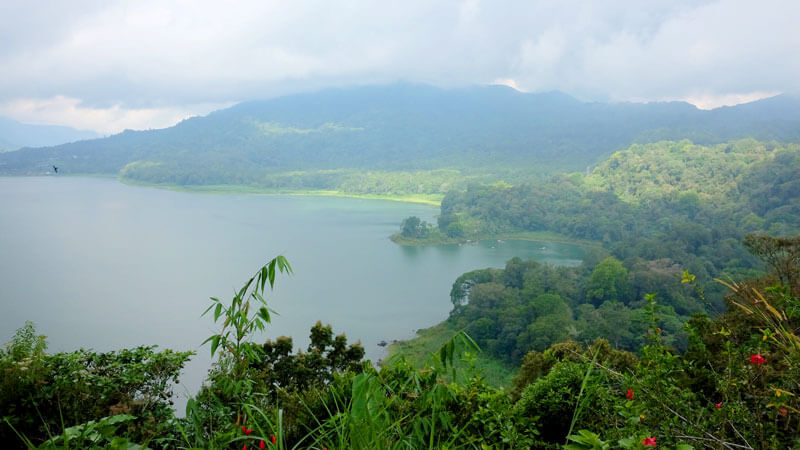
[[110, 65]]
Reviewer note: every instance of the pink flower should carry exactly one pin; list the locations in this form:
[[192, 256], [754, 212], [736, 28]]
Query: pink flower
[[783, 411], [757, 359], [719, 405], [649, 442], [630, 394]]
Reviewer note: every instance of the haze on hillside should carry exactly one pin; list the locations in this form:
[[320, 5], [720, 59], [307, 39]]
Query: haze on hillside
[[15, 135], [110, 66]]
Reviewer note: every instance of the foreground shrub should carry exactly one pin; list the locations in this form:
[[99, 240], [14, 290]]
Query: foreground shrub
[[39, 393]]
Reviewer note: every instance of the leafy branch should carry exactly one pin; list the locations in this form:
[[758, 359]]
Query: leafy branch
[[248, 312]]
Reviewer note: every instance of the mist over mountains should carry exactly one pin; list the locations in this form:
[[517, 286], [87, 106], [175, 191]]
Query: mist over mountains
[[15, 135], [402, 127]]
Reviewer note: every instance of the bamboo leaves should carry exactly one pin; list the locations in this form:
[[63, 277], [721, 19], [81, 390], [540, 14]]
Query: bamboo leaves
[[239, 318]]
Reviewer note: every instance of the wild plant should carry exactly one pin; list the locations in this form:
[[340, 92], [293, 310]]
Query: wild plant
[[246, 314]]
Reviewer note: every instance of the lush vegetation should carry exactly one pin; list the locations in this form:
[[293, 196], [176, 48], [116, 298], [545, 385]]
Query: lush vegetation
[[41, 393], [734, 386], [662, 205], [494, 371], [660, 211], [530, 306]]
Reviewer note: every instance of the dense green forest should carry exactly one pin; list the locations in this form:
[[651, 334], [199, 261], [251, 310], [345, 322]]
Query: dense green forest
[[530, 306], [656, 205], [399, 140], [735, 384], [735, 188], [659, 211]]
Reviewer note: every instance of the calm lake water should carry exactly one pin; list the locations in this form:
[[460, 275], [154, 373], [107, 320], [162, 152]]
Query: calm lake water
[[102, 265]]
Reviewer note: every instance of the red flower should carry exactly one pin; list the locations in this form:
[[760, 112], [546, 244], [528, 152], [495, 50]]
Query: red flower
[[246, 430], [273, 439], [244, 447], [649, 442], [630, 394], [783, 411], [262, 445], [757, 359], [719, 405]]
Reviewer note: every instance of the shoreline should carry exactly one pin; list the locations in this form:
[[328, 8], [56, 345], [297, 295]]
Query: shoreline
[[533, 236], [430, 199]]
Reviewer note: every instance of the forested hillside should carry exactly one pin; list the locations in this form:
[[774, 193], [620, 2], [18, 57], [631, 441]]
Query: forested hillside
[[662, 200], [395, 139], [659, 211]]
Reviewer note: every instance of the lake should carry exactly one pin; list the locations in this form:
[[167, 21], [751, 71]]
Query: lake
[[99, 264]]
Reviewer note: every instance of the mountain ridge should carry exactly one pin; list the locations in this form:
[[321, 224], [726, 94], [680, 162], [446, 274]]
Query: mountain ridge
[[15, 135], [402, 127]]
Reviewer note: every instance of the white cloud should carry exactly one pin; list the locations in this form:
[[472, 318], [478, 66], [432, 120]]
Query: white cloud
[[67, 111], [710, 101], [510, 82], [133, 59]]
